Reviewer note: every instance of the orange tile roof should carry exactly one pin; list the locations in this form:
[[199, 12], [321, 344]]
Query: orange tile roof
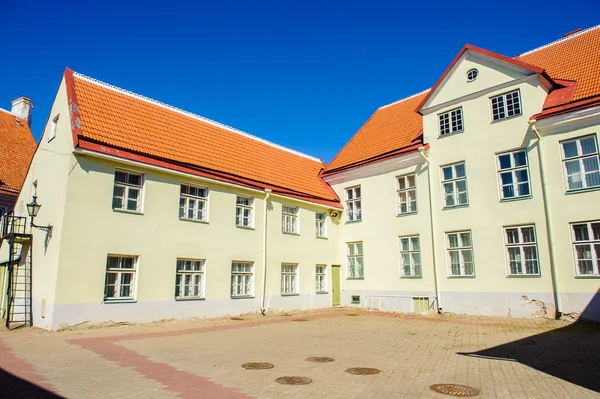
[[17, 146], [398, 125], [130, 122]]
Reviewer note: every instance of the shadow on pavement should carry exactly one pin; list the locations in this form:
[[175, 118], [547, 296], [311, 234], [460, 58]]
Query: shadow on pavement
[[12, 386]]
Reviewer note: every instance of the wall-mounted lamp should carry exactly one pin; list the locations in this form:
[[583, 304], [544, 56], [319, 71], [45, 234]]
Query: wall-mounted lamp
[[32, 209], [334, 214]]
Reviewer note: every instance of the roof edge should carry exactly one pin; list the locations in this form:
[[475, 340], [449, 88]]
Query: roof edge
[[403, 99], [74, 114], [558, 41]]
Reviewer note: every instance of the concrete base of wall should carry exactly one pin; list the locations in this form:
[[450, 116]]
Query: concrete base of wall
[[507, 304], [577, 305]]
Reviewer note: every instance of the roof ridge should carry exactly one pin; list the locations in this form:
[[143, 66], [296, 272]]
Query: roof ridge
[[191, 115], [557, 41], [404, 99]]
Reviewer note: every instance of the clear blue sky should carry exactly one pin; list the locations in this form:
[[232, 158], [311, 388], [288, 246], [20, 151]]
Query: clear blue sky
[[303, 74]]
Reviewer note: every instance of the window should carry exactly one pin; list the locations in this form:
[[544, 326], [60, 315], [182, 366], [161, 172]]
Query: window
[[289, 279], [193, 203], [189, 280], [586, 246], [451, 122], [506, 105], [406, 194], [353, 204], [321, 282], [513, 174], [321, 224], [53, 128], [460, 254], [521, 251], [355, 260], [410, 257], [242, 279], [472, 75], [289, 219], [127, 194], [244, 212], [580, 159], [120, 277], [3, 211], [355, 299], [454, 182]]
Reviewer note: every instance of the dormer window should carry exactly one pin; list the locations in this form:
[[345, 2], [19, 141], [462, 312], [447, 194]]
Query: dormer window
[[506, 105], [472, 74], [451, 122]]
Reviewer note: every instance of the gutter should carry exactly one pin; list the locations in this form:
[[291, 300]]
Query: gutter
[[264, 251], [433, 235], [549, 227]]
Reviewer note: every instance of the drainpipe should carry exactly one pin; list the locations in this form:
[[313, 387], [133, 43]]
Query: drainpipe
[[264, 251], [549, 229], [432, 226]]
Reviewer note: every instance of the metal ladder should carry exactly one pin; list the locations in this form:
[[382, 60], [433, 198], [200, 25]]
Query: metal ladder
[[19, 307]]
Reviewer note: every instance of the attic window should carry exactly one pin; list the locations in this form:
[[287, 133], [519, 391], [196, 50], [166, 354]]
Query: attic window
[[17, 121], [472, 74]]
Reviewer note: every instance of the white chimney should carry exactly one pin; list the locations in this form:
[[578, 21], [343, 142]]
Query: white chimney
[[23, 107]]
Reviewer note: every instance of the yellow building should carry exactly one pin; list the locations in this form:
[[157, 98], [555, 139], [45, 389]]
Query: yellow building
[[477, 196]]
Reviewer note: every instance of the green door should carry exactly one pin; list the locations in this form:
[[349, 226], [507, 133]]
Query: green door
[[335, 285]]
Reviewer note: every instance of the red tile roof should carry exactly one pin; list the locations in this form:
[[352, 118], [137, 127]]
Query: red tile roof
[[17, 146], [154, 132], [397, 127]]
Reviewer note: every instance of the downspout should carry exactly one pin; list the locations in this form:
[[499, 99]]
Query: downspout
[[264, 251], [549, 228], [433, 235]]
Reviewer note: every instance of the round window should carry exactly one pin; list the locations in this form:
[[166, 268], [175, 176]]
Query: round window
[[472, 75]]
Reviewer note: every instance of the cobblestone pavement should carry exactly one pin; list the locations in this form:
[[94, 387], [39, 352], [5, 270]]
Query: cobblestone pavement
[[501, 357]]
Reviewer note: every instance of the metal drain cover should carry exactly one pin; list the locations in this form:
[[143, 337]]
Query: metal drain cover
[[300, 320], [455, 390], [257, 366], [319, 359], [235, 318], [293, 380], [363, 371]]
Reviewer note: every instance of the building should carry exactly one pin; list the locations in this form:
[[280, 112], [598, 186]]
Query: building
[[477, 196]]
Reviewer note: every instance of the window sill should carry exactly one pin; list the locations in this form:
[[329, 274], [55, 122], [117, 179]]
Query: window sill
[[512, 199], [523, 275], [353, 221], [242, 297], [189, 299], [292, 294], [193, 220], [245, 227], [473, 277], [584, 277], [441, 136], [126, 211], [51, 138], [446, 208], [290, 234], [506, 118], [355, 278], [406, 214], [106, 301], [411, 277], [582, 190], [322, 292], [322, 238]]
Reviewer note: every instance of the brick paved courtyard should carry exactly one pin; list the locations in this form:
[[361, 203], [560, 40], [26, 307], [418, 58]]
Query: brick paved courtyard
[[503, 358]]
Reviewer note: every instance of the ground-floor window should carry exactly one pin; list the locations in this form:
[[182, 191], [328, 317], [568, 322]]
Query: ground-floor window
[[459, 250], [189, 280], [321, 282], [242, 279], [586, 246], [120, 277], [521, 251], [289, 278], [410, 257]]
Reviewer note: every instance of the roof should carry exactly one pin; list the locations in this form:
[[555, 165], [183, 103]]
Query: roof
[[17, 147], [571, 63], [147, 130]]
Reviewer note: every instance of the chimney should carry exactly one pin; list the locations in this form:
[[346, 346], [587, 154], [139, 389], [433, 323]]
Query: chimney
[[23, 107]]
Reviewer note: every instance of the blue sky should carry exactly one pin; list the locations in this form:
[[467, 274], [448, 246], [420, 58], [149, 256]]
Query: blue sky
[[303, 74]]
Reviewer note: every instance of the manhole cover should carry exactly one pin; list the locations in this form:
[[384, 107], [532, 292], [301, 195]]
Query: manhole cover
[[235, 318], [319, 359], [257, 366], [363, 371], [352, 314], [300, 320], [455, 390], [293, 380]]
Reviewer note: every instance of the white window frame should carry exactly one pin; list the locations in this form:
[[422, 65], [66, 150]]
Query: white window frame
[[517, 242], [454, 180], [240, 208], [353, 204], [580, 158], [120, 272], [54, 128], [182, 273], [513, 170], [242, 281], [290, 279], [452, 120], [355, 260], [321, 279], [594, 249], [505, 106], [191, 202], [406, 191], [128, 188], [460, 249], [414, 266], [321, 225], [290, 221]]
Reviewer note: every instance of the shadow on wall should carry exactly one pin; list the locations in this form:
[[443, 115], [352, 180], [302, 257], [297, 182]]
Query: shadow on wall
[[571, 353], [12, 386]]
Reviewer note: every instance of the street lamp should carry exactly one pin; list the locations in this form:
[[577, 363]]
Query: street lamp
[[32, 209]]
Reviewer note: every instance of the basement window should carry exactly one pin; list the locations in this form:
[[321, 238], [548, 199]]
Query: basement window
[[355, 299]]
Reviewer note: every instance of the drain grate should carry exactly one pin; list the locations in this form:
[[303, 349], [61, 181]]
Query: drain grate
[[363, 371], [257, 366], [293, 380], [351, 314], [235, 318], [320, 359], [455, 390], [300, 320]]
